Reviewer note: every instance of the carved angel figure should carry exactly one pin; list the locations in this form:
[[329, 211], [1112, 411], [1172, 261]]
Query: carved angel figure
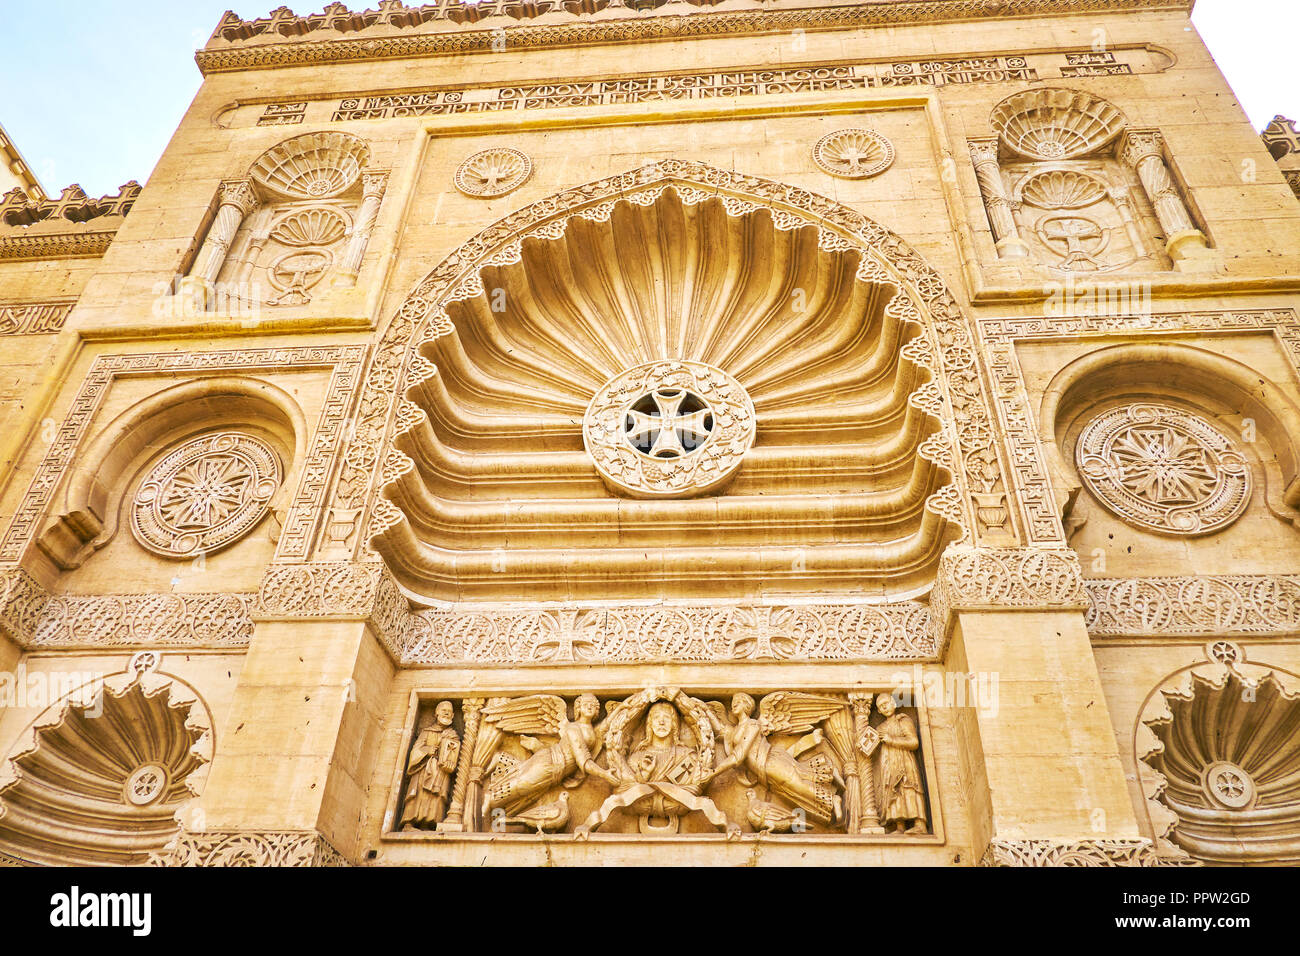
[[429, 771], [659, 776], [514, 785], [901, 799], [809, 784]]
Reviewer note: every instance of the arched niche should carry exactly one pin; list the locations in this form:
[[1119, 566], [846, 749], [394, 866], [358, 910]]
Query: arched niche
[[1217, 747], [488, 487], [103, 775], [1208, 387], [107, 472]]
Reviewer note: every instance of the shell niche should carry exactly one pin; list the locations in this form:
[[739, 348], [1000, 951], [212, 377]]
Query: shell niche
[[1056, 124], [312, 166]]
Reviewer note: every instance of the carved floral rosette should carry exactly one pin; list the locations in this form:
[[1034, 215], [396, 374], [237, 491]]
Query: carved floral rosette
[[1164, 469], [205, 495]]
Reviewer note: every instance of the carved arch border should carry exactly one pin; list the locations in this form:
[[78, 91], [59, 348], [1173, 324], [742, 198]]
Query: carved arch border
[[956, 395], [1181, 683]]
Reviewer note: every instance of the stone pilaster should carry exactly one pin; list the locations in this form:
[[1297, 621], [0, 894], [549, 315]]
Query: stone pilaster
[[311, 697], [1144, 150], [235, 201], [1006, 234], [373, 185], [1039, 759]]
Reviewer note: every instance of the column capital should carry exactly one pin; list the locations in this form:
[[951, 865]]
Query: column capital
[[1005, 579], [238, 193], [1135, 145], [983, 150], [373, 183]]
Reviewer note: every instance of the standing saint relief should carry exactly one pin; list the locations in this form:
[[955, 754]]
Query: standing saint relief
[[662, 762]]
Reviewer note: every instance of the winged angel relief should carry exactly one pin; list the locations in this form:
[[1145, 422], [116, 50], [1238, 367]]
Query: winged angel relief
[[662, 762]]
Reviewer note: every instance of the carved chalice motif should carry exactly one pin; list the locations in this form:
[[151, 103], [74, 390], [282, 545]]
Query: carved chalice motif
[[297, 272], [1078, 240]]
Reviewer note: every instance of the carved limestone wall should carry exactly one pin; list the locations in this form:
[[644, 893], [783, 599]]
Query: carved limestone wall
[[943, 349], [662, 762]]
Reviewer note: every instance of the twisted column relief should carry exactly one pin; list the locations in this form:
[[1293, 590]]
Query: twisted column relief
[[1006, 233], [1144, 151]]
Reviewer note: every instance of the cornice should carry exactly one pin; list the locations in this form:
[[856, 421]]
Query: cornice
[[445, 36]]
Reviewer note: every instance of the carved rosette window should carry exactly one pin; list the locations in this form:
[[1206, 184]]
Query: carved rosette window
[[1164, 469], [854, 153], [669, 429], [1223, 740], [205, 495], [101, 776]]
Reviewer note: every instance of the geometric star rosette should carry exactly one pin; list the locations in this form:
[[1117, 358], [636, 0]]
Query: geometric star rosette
[[1164, 469], [205, 495], [669, 429]]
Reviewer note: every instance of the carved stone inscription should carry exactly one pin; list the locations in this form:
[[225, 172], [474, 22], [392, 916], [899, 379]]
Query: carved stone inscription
[[661, 762]]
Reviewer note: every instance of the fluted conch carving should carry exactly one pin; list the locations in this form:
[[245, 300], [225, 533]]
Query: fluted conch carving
[[100, 776], [1056, 124], [310, 227], [1226, 747], [312, 166], [1062, 189], [502, 487]]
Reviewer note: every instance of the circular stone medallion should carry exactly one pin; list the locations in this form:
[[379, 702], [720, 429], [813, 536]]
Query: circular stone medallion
[[854, 153], [146, 785], [669, 429], [493, 172], [205, 494], [1228, 785], [1164, 469]]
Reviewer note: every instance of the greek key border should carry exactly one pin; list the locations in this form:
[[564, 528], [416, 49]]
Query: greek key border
[[1031, 485]]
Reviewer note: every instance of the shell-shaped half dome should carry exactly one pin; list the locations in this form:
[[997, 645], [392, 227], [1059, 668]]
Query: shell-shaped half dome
[[755, 402], [1231, 762], [312, 166], [100, 781], [1048, 124], [310, 227], [1062, 189]]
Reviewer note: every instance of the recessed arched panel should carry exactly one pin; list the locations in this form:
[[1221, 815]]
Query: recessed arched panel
[[101, 775], [849, 349], [124, 451]]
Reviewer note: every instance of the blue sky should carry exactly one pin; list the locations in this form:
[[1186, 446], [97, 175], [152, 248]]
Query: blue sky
[[91, 91]]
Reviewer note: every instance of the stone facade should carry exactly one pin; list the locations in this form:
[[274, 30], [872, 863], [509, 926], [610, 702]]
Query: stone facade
[[809, 433]]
